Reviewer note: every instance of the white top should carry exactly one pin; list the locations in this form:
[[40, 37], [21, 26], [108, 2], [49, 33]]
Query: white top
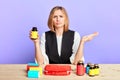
[[59, 42]]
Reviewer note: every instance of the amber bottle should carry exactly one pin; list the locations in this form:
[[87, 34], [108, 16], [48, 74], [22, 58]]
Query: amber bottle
[[96, 69], [34, 33], [80, 68]]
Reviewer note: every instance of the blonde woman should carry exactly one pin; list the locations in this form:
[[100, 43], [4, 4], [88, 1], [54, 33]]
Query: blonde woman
[[60, 45]]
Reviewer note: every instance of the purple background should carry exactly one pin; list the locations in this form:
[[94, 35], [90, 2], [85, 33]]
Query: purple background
[[17, 17]]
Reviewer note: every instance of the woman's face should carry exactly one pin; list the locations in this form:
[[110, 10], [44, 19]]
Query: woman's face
[[58, 19]]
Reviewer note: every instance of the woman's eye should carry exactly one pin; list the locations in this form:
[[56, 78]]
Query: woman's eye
[[54, 16], [61, 16]]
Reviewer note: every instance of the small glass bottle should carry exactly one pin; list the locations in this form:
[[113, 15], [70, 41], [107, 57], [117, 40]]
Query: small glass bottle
[[34, 33], [80, 68], [88, 68], [92, 70], [97, 71]]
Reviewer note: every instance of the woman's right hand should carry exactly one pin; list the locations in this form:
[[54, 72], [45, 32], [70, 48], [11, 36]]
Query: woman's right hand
[[37, 40]]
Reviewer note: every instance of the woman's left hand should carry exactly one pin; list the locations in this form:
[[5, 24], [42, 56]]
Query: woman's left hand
[[89, 37]]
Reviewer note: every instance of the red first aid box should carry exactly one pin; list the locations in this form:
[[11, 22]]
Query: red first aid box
[[57, 69]]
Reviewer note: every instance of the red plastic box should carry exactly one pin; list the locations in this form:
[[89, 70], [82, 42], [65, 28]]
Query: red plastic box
[[56, 69]]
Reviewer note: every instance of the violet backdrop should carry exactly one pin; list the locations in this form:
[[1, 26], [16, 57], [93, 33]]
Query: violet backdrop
[[17, 17]]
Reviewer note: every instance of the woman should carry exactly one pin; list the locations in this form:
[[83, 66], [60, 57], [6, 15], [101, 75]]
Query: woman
[[59, 45]]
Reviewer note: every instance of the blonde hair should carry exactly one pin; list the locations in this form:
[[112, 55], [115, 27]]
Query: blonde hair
[[50, 22]]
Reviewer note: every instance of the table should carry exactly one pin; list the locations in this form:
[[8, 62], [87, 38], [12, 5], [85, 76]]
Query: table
[[18, 72]]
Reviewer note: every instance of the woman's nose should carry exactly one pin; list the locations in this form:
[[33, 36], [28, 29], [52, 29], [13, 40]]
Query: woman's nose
[[58, 18]]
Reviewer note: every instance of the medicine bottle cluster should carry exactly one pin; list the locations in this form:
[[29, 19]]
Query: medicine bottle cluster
[[93, 70], [90, 69]]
